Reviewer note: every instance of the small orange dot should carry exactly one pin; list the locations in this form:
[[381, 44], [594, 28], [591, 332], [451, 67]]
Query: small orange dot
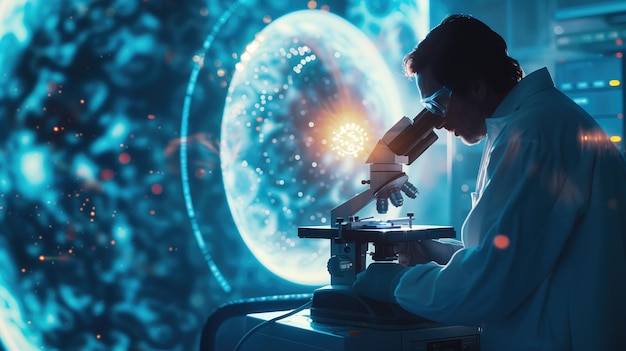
[[501, 241], [106, 174], [200, 173], [157, 189], [124, 158]]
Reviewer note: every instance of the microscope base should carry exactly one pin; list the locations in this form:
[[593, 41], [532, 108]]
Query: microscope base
[[341, 305], [299, 332]]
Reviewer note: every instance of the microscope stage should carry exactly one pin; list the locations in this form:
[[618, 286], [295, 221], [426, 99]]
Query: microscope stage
[[376, 231]]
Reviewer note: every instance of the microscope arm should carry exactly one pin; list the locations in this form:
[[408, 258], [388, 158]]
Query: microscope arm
[[352, 206]]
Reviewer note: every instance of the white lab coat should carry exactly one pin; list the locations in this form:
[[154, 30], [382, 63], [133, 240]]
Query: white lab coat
[[552, 185]]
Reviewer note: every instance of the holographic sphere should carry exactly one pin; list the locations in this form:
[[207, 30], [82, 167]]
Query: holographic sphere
[[310, 99]]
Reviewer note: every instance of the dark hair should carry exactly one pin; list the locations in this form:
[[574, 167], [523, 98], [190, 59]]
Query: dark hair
[[462, 49]]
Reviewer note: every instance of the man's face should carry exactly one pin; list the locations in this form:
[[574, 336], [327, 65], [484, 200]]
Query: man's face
[[457, 113]]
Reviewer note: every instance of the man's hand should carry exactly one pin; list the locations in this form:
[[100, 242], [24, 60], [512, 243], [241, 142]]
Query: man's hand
[[418, 252], [378, 282]]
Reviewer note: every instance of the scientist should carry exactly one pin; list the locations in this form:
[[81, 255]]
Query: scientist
[[543, 266]]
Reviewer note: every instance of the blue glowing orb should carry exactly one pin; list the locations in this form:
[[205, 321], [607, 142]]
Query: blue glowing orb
[[310, 98]]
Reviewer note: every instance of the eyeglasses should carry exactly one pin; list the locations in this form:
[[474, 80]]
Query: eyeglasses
[[431, 104]]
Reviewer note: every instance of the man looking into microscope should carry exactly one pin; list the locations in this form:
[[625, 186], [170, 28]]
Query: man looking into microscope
[[543, 265]]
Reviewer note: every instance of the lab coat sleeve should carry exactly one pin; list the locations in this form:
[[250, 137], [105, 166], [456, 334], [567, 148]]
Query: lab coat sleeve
[[441, 250], [523, 218]]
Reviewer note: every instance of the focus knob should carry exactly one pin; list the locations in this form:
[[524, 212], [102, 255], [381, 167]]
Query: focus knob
[[339, 266]]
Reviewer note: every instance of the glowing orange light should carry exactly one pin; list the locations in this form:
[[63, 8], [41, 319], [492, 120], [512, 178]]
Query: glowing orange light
[[156, 189], [200, 173], [124, 158], [349, 140], [106, 174], [151, 116], [501, 241], [42, 258]]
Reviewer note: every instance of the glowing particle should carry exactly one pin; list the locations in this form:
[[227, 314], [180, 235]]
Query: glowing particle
[[151, 116], [349, 140], [156, 189], [124, 158], [616, 138], [32, 167], [200, 173], [98, 336], [42, 258], [106, 174], [501, 241], [152, 212]]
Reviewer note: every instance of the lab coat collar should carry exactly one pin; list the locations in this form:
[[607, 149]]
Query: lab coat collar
[[529, 85]]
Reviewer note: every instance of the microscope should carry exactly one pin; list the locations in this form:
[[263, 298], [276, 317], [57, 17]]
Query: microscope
[[351, 236], [340, 319]]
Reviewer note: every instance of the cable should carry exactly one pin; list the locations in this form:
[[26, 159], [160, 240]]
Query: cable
[[267, 322]]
